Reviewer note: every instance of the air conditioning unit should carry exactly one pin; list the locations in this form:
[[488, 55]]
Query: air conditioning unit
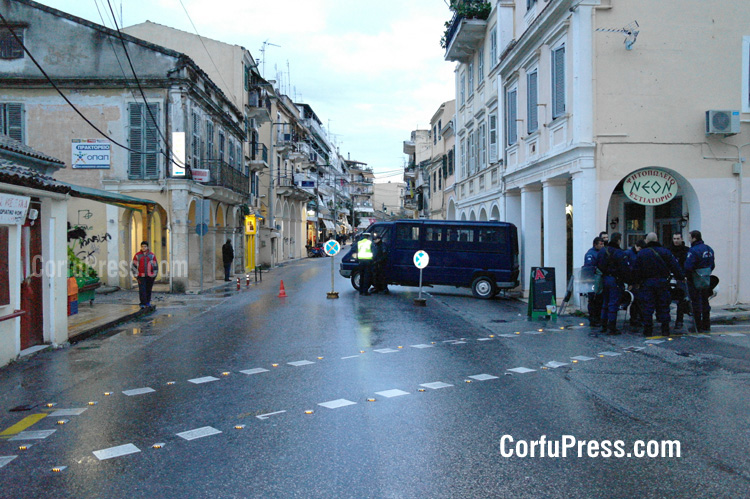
[[722, 122], [313, 157]]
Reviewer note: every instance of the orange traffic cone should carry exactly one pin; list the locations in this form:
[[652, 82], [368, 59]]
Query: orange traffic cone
[[282, 293]]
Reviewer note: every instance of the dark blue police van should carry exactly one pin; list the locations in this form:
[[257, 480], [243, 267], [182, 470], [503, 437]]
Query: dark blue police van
[[482, 256]]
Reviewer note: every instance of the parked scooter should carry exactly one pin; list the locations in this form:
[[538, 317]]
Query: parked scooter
[[315, 251]]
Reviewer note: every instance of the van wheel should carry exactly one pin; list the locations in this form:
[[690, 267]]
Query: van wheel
[[483, 288], [356, 276]]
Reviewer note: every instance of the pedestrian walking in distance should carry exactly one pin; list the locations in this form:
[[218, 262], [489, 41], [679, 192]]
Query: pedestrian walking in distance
[[699, 264], [145, 268], [227, 254]]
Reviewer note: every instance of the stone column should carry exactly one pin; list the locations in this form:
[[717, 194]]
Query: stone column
[[585, 226], [531, 230], [555, 232]]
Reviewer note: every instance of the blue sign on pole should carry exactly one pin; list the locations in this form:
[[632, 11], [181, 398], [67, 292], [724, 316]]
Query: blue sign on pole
[[331, 248], [201, 229]]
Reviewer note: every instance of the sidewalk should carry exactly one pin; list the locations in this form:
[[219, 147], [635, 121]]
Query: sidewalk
[[121, 305]]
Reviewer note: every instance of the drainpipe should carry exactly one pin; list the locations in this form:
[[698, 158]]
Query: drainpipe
[[736, 258]]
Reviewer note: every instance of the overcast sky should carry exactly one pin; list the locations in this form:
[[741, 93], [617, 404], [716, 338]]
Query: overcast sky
[[375, 69]]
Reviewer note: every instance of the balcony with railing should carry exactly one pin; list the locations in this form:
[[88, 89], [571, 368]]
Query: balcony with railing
[[258, 156], [258, 105], [223, 175], [466, 29]]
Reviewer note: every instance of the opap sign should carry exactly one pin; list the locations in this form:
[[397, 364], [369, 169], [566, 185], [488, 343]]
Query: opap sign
[[91, 154], [650, 187]]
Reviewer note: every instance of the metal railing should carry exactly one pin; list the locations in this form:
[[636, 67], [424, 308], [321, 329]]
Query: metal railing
[[223, 175], [259, 152]]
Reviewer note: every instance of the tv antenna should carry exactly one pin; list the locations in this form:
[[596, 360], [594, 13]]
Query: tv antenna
[[263, 53], [630, 31]]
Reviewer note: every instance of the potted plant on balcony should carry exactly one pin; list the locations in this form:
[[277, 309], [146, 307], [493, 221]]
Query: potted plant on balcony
[[465, 9]]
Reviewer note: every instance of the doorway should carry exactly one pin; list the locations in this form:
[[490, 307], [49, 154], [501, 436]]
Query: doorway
[[32, 322]]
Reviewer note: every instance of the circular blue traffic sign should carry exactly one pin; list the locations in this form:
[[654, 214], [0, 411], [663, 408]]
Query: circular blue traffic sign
[[331, 248], [201, 229], [421, 259]]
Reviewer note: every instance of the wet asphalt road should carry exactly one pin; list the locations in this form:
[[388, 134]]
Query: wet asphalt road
[[444, 441]]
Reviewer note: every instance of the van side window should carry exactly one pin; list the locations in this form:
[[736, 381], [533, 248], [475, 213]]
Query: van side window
[[434, 234], [465, 235], [407, 233], [488, 235]]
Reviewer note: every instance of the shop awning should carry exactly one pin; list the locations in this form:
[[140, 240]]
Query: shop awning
[[329, 225], [108, 197]]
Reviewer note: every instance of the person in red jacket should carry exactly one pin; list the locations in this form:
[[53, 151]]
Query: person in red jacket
[[145, 268]]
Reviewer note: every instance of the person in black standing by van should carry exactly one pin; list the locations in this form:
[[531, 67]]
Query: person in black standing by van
[[611, 263], [379, 259]]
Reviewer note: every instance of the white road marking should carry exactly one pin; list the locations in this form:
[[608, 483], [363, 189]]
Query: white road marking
[[508, 335], [435, 385], [385, 350], [484, 339], [483, 377], [554, 364], [582, 358], [68, 412], [266, 415], [609, 354], [634, 349], [335, 404], [33, 435], [533, 332], [204, 431], [6, 459], [257, 370], [138, 391], [654, 342], [120, 450], [735, 334], [349, 357], [300, 363], [204, 379], [422, 345], [521, 370], [392, 393]]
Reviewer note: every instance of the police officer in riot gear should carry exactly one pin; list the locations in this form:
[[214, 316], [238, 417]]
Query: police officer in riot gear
[[611, 263], [700, 257], [653, 267], [594, 299]]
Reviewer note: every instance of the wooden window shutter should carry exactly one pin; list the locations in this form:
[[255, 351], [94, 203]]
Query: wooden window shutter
[[512, 114], [533, 116], [493, 138], [151, 145], [135, 141], [558, 82]]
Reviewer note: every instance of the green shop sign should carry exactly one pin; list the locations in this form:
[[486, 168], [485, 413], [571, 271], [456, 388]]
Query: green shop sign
[[650, 187]]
